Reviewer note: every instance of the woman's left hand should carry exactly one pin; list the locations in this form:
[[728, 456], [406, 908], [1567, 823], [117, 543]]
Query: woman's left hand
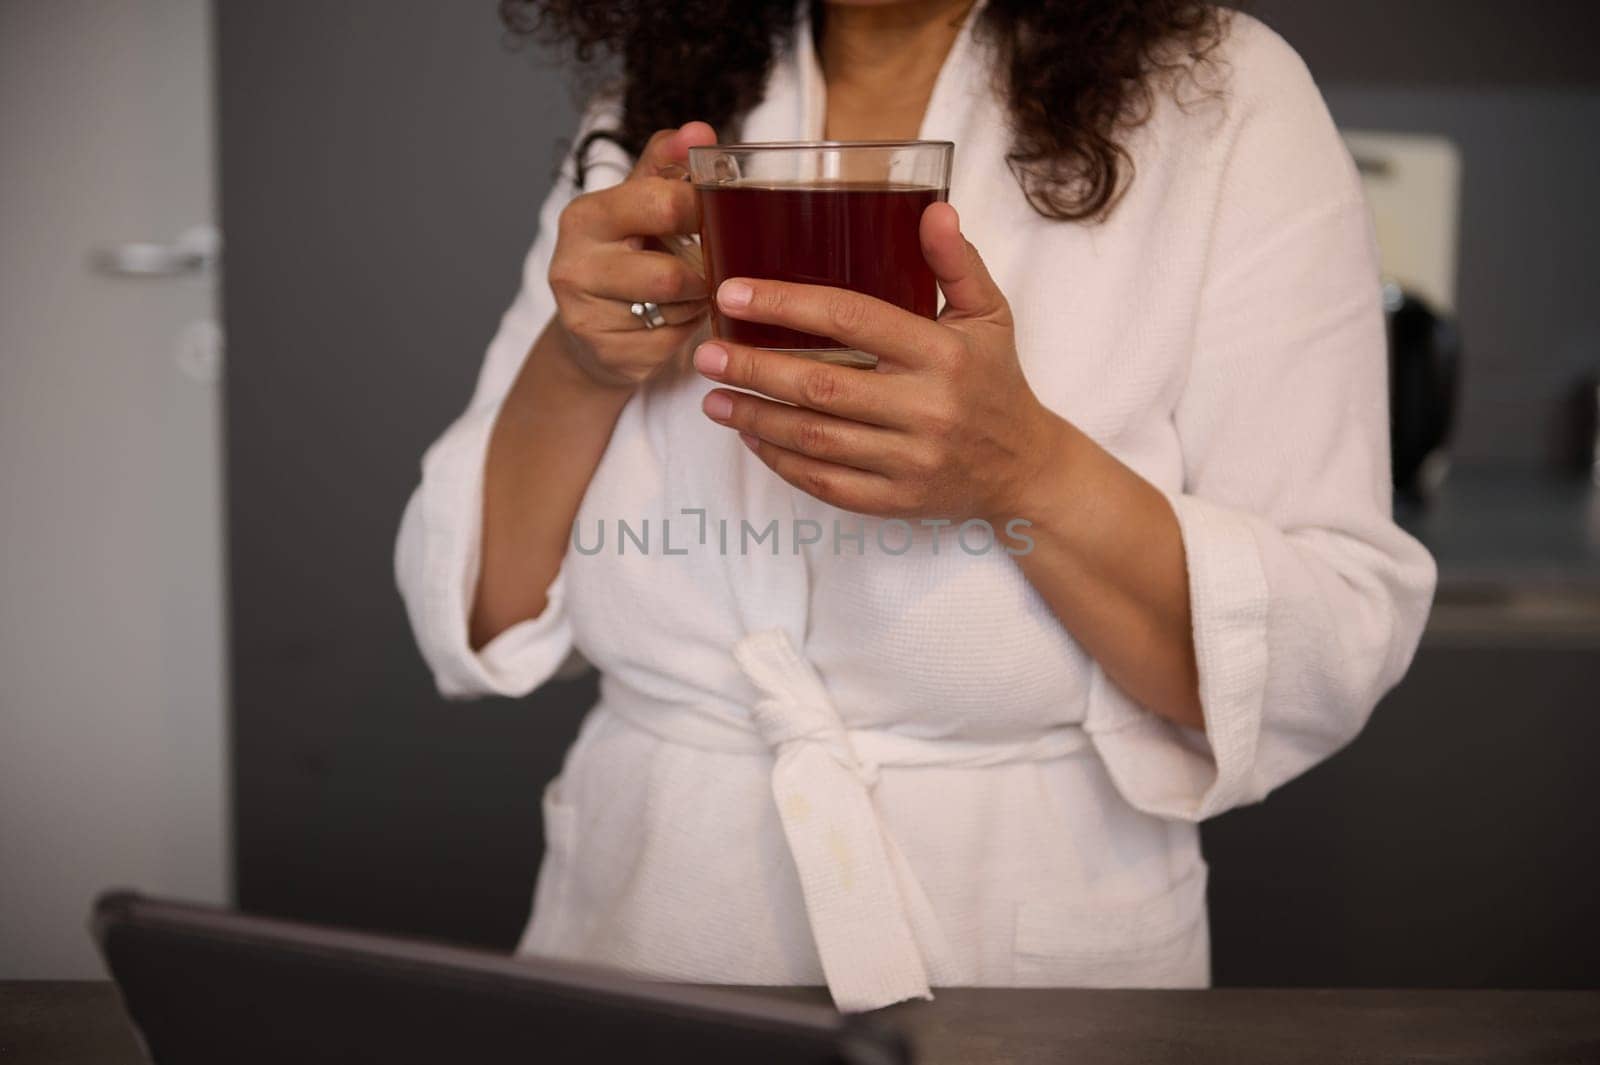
[[946, 427]]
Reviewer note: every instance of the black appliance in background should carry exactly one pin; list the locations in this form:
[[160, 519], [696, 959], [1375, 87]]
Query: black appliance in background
[[1424, 373]]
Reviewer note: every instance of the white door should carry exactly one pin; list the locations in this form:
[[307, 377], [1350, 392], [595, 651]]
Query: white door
[[112, 676]]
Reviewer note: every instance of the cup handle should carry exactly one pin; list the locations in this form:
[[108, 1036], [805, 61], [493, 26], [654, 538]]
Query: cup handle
[[684, 246]]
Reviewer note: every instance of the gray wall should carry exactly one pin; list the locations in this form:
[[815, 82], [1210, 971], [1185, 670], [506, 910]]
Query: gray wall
[[382, 164], [1471, 43]]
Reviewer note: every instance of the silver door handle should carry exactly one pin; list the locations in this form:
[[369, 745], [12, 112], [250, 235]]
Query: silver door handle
[[195, 253]]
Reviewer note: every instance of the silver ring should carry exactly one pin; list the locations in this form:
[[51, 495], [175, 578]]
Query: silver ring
[[648, 313]]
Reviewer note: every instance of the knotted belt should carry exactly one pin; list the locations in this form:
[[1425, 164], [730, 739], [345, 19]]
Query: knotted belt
[[875, 931]]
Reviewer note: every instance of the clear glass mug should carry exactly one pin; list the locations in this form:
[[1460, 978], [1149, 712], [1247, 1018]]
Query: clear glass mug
[[839, 213]]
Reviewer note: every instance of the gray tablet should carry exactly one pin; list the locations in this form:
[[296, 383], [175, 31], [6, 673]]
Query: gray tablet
[[205, 985]]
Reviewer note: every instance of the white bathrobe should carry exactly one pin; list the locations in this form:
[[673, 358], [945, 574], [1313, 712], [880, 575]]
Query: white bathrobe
[[888, 766]]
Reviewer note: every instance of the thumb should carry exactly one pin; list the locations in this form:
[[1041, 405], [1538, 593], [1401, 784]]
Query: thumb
[[670, 147], [969, 291]]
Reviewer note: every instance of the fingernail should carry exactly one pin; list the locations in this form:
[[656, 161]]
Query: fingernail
[[717, 406], [748, 441], [711, 359], [734, 294]]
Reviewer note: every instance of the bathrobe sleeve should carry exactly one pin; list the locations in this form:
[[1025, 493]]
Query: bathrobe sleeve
[[1308, 601], [437, 550]]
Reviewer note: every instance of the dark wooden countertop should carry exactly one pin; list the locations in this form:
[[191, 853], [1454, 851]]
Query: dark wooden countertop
[[81, 1024], [1239, 1027]]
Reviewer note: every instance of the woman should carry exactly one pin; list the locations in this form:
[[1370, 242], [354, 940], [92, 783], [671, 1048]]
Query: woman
[[862, 751]]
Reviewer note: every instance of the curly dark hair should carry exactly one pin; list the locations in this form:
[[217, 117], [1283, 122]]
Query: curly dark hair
[[1078, 75]]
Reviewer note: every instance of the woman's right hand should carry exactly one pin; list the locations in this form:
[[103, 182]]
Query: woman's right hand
[[603, 262]]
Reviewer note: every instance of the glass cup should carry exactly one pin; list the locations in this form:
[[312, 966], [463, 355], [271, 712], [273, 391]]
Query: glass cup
[[838, 213]]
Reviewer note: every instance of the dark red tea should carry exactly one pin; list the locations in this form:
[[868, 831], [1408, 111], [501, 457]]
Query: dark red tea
[[855, 236]]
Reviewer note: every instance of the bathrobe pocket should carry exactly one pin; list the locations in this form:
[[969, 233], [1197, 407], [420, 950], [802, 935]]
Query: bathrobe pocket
[[1160, 941]]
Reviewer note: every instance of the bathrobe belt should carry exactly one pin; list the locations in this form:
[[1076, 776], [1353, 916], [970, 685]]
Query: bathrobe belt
[[875, 931]]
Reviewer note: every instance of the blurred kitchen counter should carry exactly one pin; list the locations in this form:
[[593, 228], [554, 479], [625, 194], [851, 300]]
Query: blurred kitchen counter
[[1518, 553]]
